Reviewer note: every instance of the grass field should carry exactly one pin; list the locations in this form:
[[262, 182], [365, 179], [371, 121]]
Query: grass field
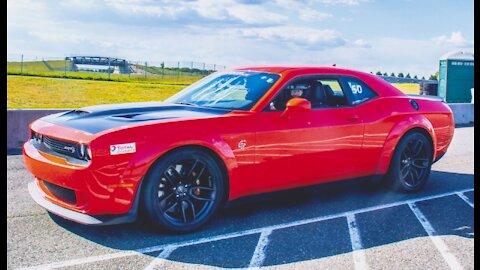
[[408, 88], [37, 92]]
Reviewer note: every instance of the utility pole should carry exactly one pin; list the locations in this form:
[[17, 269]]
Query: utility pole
[[145, 69]]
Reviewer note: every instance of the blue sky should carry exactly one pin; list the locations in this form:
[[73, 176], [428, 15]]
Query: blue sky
[[370, 35]]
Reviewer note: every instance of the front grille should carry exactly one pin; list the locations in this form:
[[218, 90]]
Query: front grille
[[62, 147], [61, 192]]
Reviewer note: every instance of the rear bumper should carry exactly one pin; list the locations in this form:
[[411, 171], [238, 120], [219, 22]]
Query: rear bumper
[[39, 197]]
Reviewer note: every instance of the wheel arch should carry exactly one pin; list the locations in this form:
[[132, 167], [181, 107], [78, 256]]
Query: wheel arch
[[210, 152], [412, 123]]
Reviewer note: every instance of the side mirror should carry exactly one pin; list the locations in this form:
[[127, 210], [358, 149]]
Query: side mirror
[[296, 105]]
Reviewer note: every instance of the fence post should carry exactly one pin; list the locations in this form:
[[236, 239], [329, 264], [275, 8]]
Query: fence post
[[21, 65], [109, 68], [145, 69], [65, 68]]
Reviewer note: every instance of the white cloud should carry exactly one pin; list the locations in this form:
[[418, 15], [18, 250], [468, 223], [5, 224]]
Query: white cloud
[[307, 38], [456, 39], [360, 43], [324, 2], [220, 12], [312, 15], [340, 2], [256, 15]]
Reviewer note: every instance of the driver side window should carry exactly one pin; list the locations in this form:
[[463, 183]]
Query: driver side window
[[303, 88], [321, 92]]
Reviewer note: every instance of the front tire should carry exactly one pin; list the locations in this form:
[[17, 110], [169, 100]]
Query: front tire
[[411, 163], [183, 190]]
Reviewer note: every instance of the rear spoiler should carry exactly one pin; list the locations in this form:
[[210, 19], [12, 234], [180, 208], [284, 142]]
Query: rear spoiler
[[427, 97]]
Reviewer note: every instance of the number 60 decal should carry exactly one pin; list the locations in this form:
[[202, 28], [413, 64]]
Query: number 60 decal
[[356, 88]]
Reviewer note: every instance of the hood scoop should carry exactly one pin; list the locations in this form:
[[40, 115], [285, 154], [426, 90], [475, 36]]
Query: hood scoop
[[77, 112], [139, 117], [127, 116]]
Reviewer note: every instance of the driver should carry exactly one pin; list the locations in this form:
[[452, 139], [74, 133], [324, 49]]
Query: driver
[[301, 90]]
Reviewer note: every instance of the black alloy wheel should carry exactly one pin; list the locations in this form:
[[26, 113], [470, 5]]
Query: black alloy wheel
[[411, 164], [183, 190]]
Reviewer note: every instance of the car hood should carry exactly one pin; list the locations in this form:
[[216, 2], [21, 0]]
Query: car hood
[[96, 119]]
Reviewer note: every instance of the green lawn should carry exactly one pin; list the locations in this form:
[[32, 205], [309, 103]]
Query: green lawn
[[36, 92], [408, 88]]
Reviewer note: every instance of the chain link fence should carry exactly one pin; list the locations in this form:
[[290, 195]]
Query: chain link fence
[[105, 68]]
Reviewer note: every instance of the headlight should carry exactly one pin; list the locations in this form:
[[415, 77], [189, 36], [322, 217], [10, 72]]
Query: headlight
[[37, 137]]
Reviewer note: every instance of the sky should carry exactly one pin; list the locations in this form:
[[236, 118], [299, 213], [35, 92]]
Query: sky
[[370, 35]]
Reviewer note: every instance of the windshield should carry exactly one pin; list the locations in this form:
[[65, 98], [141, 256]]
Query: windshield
[[236, 90]]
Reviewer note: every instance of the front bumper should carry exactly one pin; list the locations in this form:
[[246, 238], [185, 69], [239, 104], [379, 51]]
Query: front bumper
[[102, 193], [40, 198]]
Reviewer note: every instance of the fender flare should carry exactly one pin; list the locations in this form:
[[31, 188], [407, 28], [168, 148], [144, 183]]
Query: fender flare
[[406, 124]]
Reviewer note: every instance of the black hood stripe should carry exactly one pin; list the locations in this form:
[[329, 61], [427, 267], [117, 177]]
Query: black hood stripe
[[96, 119]]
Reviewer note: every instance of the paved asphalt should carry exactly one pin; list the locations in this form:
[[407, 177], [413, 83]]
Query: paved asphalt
[[308, 228]]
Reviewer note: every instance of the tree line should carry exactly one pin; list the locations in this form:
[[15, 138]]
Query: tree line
[[408, 76]]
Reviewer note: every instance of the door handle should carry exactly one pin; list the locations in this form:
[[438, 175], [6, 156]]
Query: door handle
[[354, 118]]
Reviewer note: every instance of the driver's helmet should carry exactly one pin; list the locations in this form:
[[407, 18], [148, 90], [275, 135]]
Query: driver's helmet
[[299, 90]]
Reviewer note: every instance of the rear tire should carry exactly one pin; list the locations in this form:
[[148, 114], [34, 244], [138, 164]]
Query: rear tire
[[411, 163], [183, 190]]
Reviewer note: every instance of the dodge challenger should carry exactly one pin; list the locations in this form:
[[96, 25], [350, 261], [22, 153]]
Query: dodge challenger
[[234, 133]]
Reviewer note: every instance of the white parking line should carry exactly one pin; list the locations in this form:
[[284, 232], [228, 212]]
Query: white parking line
[[439, 244], [259, 253], [160, 259], [234, 234], [465, 198], [357, 247]]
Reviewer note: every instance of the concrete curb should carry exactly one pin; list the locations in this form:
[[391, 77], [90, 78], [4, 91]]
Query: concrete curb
[[18, 122], [463, 113]]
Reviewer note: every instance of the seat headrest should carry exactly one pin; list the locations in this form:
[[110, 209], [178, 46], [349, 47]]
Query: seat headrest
[[328, 89]]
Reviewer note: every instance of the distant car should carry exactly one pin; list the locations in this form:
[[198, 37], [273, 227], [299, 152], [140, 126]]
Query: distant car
[[234, 133]]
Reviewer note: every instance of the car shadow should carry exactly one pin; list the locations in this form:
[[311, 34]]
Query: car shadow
[[378, 228]]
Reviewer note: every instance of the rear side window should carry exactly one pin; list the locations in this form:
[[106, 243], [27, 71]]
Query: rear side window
[[333, 86], [334, 94], [360, 91]]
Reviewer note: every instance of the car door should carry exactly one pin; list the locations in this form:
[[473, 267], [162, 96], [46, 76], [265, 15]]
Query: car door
[[313, 146]]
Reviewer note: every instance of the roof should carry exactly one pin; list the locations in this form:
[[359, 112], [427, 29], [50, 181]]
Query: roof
[[457, 55]]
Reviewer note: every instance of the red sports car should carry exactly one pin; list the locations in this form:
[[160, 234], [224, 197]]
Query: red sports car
[[234, 133]]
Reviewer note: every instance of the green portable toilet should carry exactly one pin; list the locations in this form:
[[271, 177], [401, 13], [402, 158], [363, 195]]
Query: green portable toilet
[[456, 77]]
